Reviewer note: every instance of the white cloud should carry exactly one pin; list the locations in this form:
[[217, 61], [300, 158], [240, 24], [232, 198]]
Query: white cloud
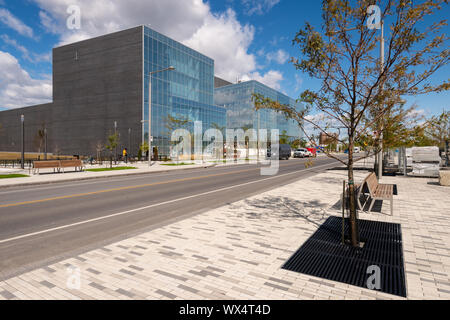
[[17, 88], [176, 19], [272, 78], [219, 36], [225, 40], [324, 122], [26, 54], [298, 82], [49, 24], [11, 21], [258, 7], [14, 44], [280, 56]]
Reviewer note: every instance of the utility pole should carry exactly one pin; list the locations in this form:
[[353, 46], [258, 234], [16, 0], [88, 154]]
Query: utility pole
[[22, 120]]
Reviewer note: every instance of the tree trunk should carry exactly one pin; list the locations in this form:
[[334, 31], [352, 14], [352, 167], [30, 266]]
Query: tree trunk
[[352, 203]]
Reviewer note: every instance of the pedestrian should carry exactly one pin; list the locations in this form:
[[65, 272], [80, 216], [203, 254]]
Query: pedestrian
[[125, 154]]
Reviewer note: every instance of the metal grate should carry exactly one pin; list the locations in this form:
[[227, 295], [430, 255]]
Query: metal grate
[[323, 255]]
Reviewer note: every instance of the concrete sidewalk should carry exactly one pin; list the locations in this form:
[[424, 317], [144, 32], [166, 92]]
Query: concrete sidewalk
[[236, 251]]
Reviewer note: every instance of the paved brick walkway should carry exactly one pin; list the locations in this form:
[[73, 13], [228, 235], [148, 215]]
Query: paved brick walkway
[[236, 251]]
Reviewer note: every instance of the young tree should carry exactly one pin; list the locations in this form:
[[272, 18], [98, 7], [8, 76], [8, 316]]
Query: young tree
[[438, 129], [344, 58], [220, 153], [401, 127], [298, 143], [113, 140], [39, 139], [143, 148], [178, 122], [99, 148], [284, 138]]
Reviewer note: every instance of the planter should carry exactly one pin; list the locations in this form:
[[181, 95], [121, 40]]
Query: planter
[[444, 177]]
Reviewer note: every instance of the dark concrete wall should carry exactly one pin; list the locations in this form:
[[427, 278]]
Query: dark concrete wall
[[95, 82], [219, 82], [36, 118]]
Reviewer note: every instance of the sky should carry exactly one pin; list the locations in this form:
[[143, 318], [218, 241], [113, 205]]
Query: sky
[[248, 40]]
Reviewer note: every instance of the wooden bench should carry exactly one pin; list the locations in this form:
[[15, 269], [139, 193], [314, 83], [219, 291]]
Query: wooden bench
[[377, 191], [57, 165], [71, 163], [48, 164]]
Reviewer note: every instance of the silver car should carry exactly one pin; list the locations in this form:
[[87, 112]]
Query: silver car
[[301, 153]]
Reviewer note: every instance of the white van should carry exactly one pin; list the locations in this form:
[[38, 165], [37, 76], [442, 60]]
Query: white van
[[356, 150]]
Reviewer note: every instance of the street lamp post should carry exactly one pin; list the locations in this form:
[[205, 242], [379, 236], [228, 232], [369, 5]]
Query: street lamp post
[[149, 112], [45, 143], [115, 136], [22, 120], [257, 136], [129, 141]]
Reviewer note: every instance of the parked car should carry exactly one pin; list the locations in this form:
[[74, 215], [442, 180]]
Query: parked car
[[301, 153], [355, 150], [312, 152], [284, 152]]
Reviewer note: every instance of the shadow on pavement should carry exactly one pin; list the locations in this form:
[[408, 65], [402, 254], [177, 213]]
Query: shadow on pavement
[[287, 208]]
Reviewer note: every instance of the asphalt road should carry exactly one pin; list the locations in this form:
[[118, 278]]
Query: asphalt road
[[46, 223]]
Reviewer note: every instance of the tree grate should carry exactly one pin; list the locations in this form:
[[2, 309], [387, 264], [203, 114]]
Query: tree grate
[[323, 255]]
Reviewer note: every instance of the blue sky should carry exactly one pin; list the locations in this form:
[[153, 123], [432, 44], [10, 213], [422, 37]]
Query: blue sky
[[254, 42]]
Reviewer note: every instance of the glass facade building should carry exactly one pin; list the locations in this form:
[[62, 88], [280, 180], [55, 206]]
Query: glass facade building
[[186, 93], [241, 113], [101, 86]]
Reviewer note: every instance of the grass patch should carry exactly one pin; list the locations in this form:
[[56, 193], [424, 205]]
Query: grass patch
[[176, 164], [110, 169], [13, 175]]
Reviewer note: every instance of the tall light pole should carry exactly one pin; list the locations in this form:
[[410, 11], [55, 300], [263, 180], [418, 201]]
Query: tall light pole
[[257, 136], [115, 136], [149, 112], [129, 140], [45, 143], [22, 120]]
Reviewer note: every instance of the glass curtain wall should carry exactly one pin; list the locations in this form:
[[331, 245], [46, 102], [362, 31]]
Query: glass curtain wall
[[185, 94], [241, 114]]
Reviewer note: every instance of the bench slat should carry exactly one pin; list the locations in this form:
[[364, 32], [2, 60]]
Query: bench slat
[[71, 163], [45, 164], [378, 191], [57, 164]]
